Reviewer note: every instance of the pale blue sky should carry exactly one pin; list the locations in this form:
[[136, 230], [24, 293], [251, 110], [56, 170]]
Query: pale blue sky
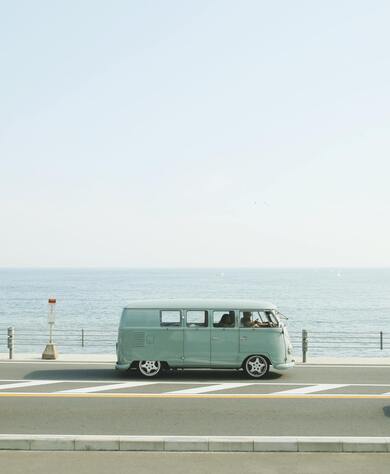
[[194, 133]]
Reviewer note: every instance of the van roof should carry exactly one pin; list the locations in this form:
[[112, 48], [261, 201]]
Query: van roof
[[200, 303]]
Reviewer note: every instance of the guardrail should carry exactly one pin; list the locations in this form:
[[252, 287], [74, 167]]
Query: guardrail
[[315, 342], [64, 338], [333, 342]]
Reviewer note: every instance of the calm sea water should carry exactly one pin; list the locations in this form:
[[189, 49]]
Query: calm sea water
[[351, 301]]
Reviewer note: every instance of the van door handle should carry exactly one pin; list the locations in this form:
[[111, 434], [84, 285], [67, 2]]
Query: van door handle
[[243, 338], [214, 338]]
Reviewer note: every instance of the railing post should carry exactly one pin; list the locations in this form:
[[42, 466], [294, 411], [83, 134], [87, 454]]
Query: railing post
[[11, 341], [305, 344], [82, 338], [381, 340]]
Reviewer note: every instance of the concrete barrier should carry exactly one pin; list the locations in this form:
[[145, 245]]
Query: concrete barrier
[[331, 444]]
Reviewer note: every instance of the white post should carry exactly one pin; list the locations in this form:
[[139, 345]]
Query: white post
[[50, 351], [50, 333]]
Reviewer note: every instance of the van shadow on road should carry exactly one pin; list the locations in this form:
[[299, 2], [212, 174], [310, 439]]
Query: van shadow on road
[[386, 410], [166, 376]]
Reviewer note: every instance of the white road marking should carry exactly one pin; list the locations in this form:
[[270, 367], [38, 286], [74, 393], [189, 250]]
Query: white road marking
[[174, 381], [30, 383], [342, 366], [310, 389], [210, 388], [298, 388], [179, 382], [102, 388], [237, 396]]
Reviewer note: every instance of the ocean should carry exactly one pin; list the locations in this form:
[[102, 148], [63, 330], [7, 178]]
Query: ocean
[[344, 310]]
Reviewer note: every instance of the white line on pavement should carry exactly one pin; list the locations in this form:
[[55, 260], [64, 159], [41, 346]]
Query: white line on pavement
[[282, 388], [258, 383], [339, 366], [167, 395], [211, 388], [102, 388], [312, 389], [30, 383]]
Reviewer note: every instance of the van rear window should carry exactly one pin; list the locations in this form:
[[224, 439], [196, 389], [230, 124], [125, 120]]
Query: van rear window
[[170, 318]]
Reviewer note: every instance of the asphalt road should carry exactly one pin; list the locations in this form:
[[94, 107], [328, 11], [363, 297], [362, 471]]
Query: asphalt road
[[95, 399], [193, 463]]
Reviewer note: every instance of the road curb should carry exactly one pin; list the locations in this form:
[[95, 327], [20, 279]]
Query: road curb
[[334, 444]]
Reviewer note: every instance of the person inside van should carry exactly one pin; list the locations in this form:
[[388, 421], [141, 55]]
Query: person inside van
[[247, 322], [227, 321]]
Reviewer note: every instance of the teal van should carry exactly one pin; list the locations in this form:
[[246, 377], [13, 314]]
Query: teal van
[[240, 334]]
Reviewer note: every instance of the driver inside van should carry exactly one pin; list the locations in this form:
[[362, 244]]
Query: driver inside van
[[247, 322]]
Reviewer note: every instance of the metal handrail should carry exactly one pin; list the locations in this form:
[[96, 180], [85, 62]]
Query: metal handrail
[[312, 341]]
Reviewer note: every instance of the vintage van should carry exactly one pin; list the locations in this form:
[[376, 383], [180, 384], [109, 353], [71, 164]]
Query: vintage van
[[239, 334]]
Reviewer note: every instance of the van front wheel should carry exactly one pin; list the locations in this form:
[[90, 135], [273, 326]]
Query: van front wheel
[[256, 366], [149, 368]]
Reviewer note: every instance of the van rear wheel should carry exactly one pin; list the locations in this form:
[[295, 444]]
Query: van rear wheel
[[149, 368], [256, 366]]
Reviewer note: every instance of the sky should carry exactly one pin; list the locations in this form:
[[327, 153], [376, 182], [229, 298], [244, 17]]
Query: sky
[[195, 134]]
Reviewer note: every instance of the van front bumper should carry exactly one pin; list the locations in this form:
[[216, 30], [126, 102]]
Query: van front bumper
[[285, 366], [119, 366]]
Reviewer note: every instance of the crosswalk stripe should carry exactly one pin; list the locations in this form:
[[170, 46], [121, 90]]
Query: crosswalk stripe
[[211, 388], [30, 383], [214, 396], [102, 388], [310, 389]]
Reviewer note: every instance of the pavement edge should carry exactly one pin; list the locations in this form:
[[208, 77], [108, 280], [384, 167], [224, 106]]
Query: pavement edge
[[329, 444]]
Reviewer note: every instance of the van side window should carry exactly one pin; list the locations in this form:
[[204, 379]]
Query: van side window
[[170, 318], [223, 319], [257, 319], [196, 319]]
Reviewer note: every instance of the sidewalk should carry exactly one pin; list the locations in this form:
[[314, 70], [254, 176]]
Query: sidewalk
[[87, 358], [111, 358], [329, 444]]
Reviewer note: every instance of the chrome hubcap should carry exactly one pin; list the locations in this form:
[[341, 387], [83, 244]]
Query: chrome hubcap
[[256, 366], [149, 367]]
